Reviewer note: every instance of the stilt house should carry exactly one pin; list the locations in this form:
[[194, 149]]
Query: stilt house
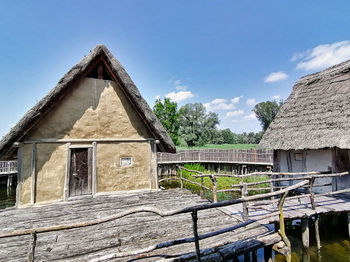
[[311, 132], [92, 134]]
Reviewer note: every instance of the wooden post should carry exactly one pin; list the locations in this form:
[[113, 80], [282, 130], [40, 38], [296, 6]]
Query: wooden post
[[33, 174], [348, 218], [305, 233], [94, 168], [31, 249], [181, 182], [202, 189], [244, 193], [254, 256], [19, 174], [247, 257], [8, 186], [268, 253], [215, 193], [195, 235], [282, 230], [317, 219]]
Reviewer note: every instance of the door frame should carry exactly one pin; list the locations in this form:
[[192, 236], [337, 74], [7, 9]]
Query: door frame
[[93, 171]]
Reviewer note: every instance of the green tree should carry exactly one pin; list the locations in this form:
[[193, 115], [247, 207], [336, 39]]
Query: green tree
[[227, 136], [196, 126], [266, 112], [168, 115]]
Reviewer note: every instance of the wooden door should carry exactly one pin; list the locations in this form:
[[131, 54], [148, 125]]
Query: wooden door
[[342, 164], [80, 172]]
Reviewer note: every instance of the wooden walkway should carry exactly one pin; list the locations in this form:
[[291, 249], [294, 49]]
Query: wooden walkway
[[293, 208], [137, 231]]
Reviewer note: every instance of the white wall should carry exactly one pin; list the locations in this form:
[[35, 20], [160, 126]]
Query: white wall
[[315, 160]]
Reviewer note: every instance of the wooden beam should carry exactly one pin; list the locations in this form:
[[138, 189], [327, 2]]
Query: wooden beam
[[100, 71], [94, 168], [66, 180], [33, 175], [19, 174]]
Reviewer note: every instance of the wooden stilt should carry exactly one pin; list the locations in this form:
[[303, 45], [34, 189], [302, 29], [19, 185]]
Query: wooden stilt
[[8, 186], [268, 253], [247, 257], [348, 218], [254, 256], [317, 232], [305, 233]]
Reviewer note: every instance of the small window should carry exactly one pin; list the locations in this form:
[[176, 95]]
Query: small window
[[125, 161]]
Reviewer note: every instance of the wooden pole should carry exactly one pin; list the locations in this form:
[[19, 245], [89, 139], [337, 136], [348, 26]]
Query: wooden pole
[[348, 218], [8, 186], [195, 235], [282, 230], [254, 256], [181, 182], [305, 233], [317, 219], [31, 249], [33, 174], [268, 253], [244, 193], [215, 193]]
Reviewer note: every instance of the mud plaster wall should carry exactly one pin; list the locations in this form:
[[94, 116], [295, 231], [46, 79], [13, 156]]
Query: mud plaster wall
[[112, 177], [26, 179], [93, 109]]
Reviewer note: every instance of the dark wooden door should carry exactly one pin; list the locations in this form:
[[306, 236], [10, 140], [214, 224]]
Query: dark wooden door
[[80, 172], [342, 164]]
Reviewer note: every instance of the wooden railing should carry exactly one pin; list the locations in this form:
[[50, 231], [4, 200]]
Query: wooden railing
[[193, 210], [218, 156], [274, 180], [8, 167]]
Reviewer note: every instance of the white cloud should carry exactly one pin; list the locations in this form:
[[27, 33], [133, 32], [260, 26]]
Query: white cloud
[[181, 87], [222, 104], [234, 113], [323, 56], [276, 97], [252, 116], [275, 77], [157, 97], [251, 102], [179, 96], [235, 100]]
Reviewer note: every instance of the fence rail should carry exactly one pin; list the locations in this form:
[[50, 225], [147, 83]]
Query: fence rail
[[8, 167], [218, 156]]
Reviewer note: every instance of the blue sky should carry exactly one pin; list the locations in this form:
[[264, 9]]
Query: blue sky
[[227, 55]]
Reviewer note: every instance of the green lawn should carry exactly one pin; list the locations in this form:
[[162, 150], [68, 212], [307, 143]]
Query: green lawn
[[223, 146]]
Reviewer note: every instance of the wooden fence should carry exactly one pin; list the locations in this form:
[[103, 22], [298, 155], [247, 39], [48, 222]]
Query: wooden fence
[[193, 210], [218, 156], [8, 167], [275, 180]]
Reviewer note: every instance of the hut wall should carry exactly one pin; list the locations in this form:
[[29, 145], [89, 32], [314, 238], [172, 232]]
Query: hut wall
[[306, 161], [113, 177], [94, 109]]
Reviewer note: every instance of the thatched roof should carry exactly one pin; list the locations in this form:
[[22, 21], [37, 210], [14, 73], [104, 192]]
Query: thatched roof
[[316, 114], [100, 54]]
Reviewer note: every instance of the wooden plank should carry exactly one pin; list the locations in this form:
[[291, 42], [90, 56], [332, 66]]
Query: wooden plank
[[66, 180]]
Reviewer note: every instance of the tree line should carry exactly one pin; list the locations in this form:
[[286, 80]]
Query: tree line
[[191, 125]]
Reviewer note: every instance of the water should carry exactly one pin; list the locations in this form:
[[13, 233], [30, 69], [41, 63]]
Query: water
[[334, 240]]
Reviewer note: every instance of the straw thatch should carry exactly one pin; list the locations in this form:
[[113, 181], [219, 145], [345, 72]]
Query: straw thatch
[[316, 114], [100, 54]]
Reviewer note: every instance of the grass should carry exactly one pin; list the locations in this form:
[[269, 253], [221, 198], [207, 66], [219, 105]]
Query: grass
[[222, 183], [222, 146]]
